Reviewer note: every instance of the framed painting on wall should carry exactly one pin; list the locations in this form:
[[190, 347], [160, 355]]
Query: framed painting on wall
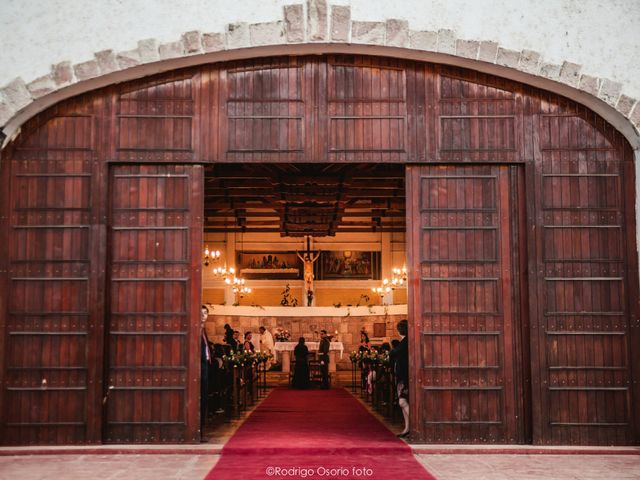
[[348, 264], [269, 265]]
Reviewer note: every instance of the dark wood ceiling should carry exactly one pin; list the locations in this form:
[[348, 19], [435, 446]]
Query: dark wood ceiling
[[305, 199]]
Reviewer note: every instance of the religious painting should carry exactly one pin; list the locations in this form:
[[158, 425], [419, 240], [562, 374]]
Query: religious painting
[[349, 264], [379, 330], [269, 265]]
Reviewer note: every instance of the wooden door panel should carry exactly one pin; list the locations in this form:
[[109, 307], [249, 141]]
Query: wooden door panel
[[49, 381], [154, 122], [366, 112], [266, 113], [154, 291], [466, 325], [584, 336]]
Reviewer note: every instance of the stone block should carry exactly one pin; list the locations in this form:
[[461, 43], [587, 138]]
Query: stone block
[[635, 116], [212, 42], [62, 74], [270, 33], [397, 33], [171, 50], [549, 70], [625, 104], [128, 59], [6, 111], [42, 86], [347, 338], [528, 62], [237, 35], [507, 58], [340, 23], [192, 43], [86, 70], [589, 84], [317, 20], [344, 327], [610, 91], [294, 23], [488, 52], [570, 73], [423, 40], [148, 50], [107, 62], [467, 48], [368, 32], [16, 94], [447, 41]]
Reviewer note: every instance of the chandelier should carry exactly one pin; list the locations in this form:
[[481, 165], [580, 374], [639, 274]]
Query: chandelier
[[382, 290], [398, 279], [223, 272], [210, 256]]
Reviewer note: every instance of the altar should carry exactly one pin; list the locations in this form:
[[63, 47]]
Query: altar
[[284, 349]]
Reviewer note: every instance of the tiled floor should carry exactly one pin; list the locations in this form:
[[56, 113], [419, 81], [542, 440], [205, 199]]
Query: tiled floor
[[442, 466], [106, 467], [532, 467]]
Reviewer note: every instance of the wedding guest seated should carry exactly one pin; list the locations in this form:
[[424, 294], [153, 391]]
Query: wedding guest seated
[[248, 346], [385, 347], [301, 372]]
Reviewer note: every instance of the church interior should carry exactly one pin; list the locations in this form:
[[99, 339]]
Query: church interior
[[262, 223]]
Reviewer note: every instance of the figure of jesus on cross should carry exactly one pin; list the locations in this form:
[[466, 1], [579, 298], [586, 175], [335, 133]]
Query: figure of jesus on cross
[[308, 258]]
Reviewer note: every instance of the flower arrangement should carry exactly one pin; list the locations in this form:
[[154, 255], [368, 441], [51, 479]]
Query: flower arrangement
[[241, 359], [282, 335], [371, 357], [262, 357], [355, 356]]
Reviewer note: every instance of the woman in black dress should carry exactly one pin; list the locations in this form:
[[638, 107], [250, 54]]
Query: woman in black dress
[[301, 373]]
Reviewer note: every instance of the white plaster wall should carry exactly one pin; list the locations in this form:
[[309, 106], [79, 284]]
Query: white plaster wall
[[601, 35]]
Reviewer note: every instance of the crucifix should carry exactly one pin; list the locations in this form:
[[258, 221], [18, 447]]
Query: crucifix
[[308, 258]]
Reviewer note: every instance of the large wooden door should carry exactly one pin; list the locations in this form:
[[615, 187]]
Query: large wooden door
[[154, 302], [50, 308], [465, 323]]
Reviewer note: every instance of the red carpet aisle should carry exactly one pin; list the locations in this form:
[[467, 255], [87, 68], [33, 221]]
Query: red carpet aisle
[[315, 434]]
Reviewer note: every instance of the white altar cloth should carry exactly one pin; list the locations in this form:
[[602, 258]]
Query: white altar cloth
[[312, 346]]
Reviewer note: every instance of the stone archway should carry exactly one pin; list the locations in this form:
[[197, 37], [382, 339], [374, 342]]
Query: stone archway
[[317, 28]]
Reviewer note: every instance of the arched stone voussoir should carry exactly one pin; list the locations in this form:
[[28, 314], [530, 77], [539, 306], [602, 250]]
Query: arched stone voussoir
[[318, 27]]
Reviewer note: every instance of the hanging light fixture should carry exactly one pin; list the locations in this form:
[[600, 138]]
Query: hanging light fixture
[[399, 277], [223, 272], [210, 256]]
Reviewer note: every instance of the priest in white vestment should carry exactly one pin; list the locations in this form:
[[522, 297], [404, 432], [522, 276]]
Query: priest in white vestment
[[266, 344]]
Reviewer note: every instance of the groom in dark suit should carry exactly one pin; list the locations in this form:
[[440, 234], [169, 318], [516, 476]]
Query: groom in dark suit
[[323, 350]]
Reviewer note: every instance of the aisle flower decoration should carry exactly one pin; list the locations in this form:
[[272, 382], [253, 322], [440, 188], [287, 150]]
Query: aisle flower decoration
[[375, 357], [356, 356], [263, 357], [241, 359]]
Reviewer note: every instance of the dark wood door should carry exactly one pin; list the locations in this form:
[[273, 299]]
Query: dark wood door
[[586, 285], [50, 313], [464, 321], [154, 302]]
